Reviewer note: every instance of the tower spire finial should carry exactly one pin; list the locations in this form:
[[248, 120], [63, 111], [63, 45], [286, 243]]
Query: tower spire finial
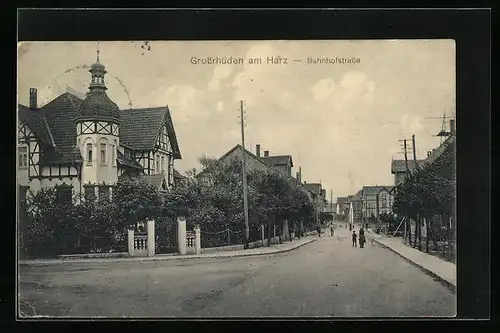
[[97, 51]]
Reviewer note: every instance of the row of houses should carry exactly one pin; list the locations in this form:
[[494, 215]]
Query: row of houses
[[282, 164], [373, 201]]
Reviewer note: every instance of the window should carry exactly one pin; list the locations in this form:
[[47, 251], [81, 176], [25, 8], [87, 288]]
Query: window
[[113, 154], [65, 194], [162, 163], [384, 200], [89, 193], [23, 157], [103, 153], [89, 154], [157, 159]]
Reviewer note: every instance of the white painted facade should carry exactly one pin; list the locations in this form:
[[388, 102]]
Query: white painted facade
[[98, 142]]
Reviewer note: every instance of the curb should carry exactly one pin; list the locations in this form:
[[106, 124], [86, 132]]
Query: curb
[[156, 259], [443, 281]]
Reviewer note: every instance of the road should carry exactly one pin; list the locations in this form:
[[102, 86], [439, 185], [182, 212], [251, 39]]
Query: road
[[325, 278]]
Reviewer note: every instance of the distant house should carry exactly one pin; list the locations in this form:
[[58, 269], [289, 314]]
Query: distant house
[[318, 195], [281, 163], [236, 153], [341, 203], [371, 204], [398, 169], [385, 199], [356, 202]]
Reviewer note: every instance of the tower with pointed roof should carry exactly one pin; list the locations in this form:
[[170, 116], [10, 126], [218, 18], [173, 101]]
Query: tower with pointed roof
[[97, 135]]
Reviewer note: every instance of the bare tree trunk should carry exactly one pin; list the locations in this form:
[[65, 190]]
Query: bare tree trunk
[[427, 234], [419, 233]]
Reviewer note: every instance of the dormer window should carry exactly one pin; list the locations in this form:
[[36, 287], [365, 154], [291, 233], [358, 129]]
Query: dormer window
[[89, 154]]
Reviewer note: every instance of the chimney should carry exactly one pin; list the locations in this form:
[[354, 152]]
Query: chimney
[[266, 153], [33, 99], [257, 150], [452, 126]]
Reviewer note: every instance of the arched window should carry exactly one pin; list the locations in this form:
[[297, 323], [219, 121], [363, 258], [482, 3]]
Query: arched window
[[89, 153], [103, 151]]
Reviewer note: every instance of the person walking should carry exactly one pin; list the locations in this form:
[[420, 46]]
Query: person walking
[[354, 239], [332, 230], [362, 238], [319, 231]]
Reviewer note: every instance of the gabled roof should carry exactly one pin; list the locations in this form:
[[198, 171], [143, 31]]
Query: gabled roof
[[37, 123], [248, 154], [341, 201], [372, 190], [140, 128], [358, 196], [386, 188], [436, 153], [278, 160], [54, 125], [398, 166], [127, 162], [314, 188], [60, 114]]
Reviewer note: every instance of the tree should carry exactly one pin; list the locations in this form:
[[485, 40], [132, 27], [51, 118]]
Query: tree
[[136, 200]]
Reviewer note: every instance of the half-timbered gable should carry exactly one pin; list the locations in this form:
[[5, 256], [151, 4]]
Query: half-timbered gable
[[149, 132]]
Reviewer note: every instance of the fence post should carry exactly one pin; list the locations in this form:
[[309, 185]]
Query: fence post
[[181, 235], [229, 236], [131, 243], [262, 233], [197, 232], [151, 238]]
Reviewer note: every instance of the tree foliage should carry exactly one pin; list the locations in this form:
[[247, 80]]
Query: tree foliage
[[214, 202]]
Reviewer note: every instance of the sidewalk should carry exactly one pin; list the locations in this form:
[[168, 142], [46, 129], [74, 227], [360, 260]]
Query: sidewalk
[[443, 270], [277, 248]]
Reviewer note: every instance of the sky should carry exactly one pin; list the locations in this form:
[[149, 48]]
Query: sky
[[340, 122]]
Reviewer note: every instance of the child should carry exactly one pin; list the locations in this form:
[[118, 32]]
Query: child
[[354, 239]]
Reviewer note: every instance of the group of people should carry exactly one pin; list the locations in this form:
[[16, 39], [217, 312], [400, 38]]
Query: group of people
[[362, 239]]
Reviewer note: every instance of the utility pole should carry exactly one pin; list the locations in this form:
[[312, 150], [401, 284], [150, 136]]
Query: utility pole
[[406, 158], [417, 222], [244, 175], [414, 151], [407, 230]]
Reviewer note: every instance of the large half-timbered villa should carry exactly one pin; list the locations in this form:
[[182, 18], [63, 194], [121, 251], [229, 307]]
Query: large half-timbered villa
[[84, 146]]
